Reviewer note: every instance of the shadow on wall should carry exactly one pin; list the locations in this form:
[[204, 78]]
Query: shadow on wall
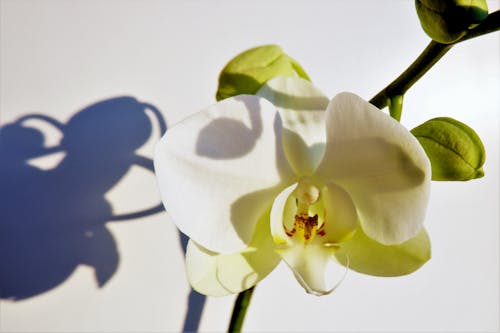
[[196, 301], [53, 220]]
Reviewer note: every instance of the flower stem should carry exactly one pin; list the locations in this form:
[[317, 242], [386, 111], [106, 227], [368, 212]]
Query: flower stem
[[490, 24], [396, 106], [432, 53], [240, 310], [429, 56]]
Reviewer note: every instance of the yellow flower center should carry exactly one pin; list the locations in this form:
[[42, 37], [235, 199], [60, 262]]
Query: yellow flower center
[[305, 226]]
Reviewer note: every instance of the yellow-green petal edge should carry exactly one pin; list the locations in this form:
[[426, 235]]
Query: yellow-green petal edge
[[365, 255]]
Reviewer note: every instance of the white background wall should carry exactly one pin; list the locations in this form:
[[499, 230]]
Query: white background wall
[[57, 57]]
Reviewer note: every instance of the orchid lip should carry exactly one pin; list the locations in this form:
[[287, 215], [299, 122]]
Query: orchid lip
[[328, 291]]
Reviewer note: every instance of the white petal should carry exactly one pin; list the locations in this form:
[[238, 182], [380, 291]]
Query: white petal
[[340, 214], [302, 107], [283, 215], [380, 164], [217, 171], [216, 274]]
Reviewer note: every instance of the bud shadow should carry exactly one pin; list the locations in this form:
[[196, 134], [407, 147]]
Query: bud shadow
[[227, 138]]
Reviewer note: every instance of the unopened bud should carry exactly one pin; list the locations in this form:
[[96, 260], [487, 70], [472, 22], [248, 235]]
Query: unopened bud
[[454, 149], [249, 71], [446, 21]]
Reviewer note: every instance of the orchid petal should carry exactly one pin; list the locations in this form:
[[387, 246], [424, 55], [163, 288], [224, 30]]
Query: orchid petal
[[210, 160], [380, 164], [340, 214], [370, 257], [309, 264], [283, 215], [215, 274], [302, 108]]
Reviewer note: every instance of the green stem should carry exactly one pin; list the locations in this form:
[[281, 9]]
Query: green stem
[[396, 106], [240, 310], [490, 24], [432, 53]]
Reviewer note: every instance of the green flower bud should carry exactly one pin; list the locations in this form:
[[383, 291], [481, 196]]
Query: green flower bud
[[249, 71], [454, 149], [446, 21]]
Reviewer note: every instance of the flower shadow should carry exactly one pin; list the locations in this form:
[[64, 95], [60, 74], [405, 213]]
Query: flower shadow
[[196, 301], [53, 220]]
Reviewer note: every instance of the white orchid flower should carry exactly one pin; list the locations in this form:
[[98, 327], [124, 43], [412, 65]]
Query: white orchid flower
[[290, 175]]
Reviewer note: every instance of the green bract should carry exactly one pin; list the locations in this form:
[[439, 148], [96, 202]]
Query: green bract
[[248, 71], [455, 150], [446, 21]]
